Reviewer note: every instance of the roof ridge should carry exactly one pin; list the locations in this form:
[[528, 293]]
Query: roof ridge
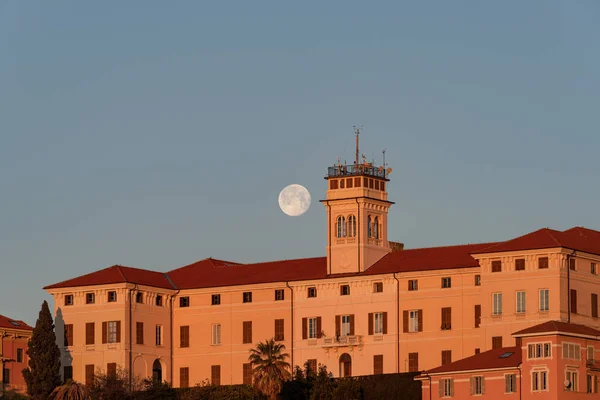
[[549, 233], [121, 272], [168, 278]]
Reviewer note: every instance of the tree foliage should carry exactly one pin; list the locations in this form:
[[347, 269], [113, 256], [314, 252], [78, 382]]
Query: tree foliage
[[43, 374], [71, 390], [269, 367]]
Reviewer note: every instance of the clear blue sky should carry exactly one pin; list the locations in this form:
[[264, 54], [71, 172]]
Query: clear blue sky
[[154, 134]]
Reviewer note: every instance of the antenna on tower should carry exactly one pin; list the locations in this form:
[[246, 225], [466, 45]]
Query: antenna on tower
[[357, 132], [383, 152]]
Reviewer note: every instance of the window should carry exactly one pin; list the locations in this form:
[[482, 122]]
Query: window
[[497, 266], [521, 302], [539, 350], [544, 300], [184, 377], [215, 375], [139, 297], [68, 335], [158, 300], [247, 374], [496, 342], [215, 299], [112, 296], [6, 376], [446, 283], [247, 332], [477, 315], [414, 321], [68, 300], [446, 387], [378, 364], [341, 227], [247, 297], [184, 301], [413, 362], [477, 280], [510, 383], [378, 287], [378, 323], [279, 295], [446, 357], [67, 373], [376, 228], [111, 332], [279, 329], [571, 351], [312, 292], [573, 301], [497, 303], [369, 226], [590, 354], [111, 370], [216, 334], [594, 305], [344, 290], [477, 385], [539, 381], [572, 377], [90, 298], [184, 336], [520, 264], [351, 225], [89, 374], [592, 386], [90, 327], [572, 265], [477, 350], [446, 318], [413, 284], [333, 184], [159, 335], [593, 269], [346, 322], [543, 262], [313, 327], [139, 333], [311, 365], [20, 355]]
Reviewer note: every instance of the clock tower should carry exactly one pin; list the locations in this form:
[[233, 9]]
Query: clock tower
[[357, 209]]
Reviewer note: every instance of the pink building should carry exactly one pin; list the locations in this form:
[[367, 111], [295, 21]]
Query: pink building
[[14, 336], [555, 360], [368, 307]]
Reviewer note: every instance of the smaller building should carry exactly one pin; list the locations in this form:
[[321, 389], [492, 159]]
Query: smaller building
[[552, 360], [14, 336]]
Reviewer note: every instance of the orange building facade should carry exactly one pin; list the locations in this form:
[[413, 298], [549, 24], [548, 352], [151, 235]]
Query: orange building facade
[[14, 336], [370, 306]]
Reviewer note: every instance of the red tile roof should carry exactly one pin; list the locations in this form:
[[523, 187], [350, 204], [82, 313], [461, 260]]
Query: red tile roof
[[558, 326], [213, 273], [576, 238], [490, 359], [118, 274], [425, 259], [6, 322]]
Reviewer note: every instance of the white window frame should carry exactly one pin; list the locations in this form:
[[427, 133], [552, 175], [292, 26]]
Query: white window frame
[[521, 302], [478, 385], [111, 328], [413, 321], [573, 351], [447, 279], [539, 350], [447, 387], [497, 303], [345, 325], [216, 334], [159, 335], [378, 323], [573, 377], [312, 328], [413, 285], [539, 380], [544, 300], [510, 383]]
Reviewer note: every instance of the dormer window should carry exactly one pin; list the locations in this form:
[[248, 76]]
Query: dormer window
[[341, 227], [90, 298], [159, 300], [68, 300]]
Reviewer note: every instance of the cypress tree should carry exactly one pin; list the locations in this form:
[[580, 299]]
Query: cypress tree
[[43, 374]]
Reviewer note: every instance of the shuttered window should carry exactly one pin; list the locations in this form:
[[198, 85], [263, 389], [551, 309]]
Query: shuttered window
[[594, 305], [312, 365], [520, 264], [477, 315], [215, 375], [139, 333], [89, 374], [496, 342], [247, 332], [543, 262], [184, 377], [279, 329], [378, 364], [111, 332], [477, 385], [413, 362], [184, 336], [446, 387], [111, 370], [412, 321], [446, 318], [68, 335], [497, 266], [446, 357], [247, 372], [574, 301], [90, 333], [311, 328]]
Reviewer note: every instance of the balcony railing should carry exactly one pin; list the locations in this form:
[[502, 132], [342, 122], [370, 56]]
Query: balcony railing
[[354, 170], [350, 340]]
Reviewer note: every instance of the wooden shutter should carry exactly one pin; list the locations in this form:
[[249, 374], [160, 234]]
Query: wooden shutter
[[441, 387], [594, 305], [319, 329], [89, 374], [496, 266], [184, 377], [351, 324], [247, 332], [104, 332], [496, 342], [370, 323], [68, 341], [279, 328], [477, 315], [385, 323], [471, 383], [184, 336], [420, 315], [405, 321], [89, 333], [139, 333], [304, 328], [378, 364], [247, 372], [111, 370], [118, 331], [543, 262], [574, 301], [215, 375], [338, 324], [482, 385]]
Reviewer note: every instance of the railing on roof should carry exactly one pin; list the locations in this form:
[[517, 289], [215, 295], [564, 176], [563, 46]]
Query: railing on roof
[[354, 170]]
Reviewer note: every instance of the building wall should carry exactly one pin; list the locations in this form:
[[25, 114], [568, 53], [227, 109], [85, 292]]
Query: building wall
[[494, 385], [11, 341]]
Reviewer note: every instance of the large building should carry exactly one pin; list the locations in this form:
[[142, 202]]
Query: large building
[[14, 335], [369, 307]]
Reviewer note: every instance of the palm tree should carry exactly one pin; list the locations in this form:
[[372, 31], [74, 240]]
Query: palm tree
[[269, 367], [70, 391]]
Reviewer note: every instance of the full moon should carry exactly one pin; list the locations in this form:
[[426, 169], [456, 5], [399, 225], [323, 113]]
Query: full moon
[[294, 200]]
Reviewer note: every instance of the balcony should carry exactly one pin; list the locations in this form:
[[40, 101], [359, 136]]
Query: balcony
[[350, 340]]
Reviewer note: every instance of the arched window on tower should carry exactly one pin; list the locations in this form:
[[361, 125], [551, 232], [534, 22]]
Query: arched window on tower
[[376, 228], [369, 227], [341, 227], [351, 226]]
